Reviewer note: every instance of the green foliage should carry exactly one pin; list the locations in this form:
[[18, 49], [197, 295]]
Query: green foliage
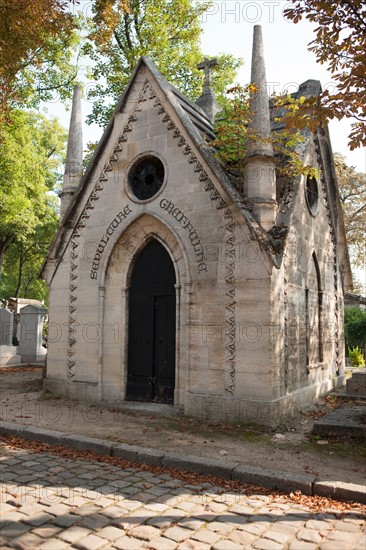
[[88, 153], [356, 357], [24, 258], [352, 191], [355, 328], [168, 31], [52, 76], [232, 133], [352, 314], [231, 129], [30, 170]]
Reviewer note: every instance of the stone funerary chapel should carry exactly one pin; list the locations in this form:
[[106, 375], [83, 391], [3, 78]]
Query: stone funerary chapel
[[169, 283]]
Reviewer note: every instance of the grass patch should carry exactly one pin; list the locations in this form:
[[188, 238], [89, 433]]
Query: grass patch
[[48, 396], [353, 449]]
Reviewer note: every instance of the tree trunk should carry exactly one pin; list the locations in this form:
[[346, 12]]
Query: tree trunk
[[30, 279], [4, 243], [1, 260], [20, 272]]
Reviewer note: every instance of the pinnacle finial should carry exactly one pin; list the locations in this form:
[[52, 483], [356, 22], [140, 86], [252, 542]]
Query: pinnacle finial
[[74, 155], [259, 173], [207, 100], [260, 124]]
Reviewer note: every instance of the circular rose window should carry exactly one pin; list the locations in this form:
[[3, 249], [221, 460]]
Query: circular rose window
[[312, 195], [146, 177]]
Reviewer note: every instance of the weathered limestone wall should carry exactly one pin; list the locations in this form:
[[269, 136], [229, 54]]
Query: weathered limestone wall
[[58, 321], [309, 305], [247, 394]]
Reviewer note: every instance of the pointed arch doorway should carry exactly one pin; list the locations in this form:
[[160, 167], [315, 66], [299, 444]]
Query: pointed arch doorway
[[151, 327]]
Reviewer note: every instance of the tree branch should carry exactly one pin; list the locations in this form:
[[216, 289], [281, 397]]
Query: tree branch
[[355, 12], [359, 210], [127, 32], [119, 42], [136, 21]]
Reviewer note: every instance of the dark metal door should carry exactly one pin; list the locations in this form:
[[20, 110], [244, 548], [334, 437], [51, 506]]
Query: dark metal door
[[151, 340]]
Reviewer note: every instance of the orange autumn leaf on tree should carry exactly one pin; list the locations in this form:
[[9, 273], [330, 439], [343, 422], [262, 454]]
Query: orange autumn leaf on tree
[[25, 28], [340, 42]]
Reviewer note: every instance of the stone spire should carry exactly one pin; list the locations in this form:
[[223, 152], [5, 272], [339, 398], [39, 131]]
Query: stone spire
[[207, 101], [259, 173], [74, 155]]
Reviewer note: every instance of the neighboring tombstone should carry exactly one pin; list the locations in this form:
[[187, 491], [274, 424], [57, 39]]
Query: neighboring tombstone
[[30, 335], [6, 327], [8, 352], [16, 305], [356, 385]]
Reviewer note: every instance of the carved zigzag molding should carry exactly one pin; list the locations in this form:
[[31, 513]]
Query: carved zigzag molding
[[148, 93]]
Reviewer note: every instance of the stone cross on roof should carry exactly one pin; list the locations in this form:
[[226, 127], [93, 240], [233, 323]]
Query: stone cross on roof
[[207, 100], [206, 66]]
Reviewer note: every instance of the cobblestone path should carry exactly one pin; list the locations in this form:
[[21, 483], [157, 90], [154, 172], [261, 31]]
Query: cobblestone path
[[51, 502]]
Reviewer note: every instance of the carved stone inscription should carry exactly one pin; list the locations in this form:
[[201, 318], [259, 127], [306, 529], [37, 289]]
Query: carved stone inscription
[[195, 241], [104, 240]]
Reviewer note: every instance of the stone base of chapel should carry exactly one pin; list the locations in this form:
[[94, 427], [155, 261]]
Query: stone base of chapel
[[213, 408], [262, 412]]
